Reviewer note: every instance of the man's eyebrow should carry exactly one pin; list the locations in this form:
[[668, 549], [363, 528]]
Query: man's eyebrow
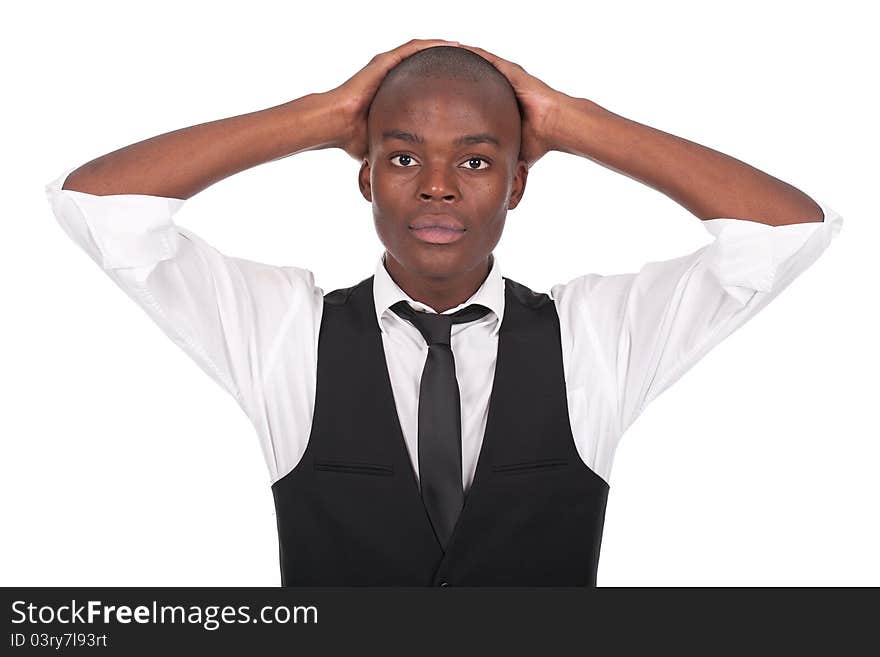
[[481, 138]]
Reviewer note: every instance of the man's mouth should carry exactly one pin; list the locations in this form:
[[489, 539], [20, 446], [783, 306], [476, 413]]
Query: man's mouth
[[438, 234], [437, 221]]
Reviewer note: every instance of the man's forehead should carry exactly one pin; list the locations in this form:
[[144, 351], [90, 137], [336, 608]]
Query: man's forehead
[[435, 85], [444, 112], [434, 118], [421, 95], [414, 137]]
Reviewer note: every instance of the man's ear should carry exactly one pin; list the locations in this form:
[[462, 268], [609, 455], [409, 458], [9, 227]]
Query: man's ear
[[518, 188], [364, 180]]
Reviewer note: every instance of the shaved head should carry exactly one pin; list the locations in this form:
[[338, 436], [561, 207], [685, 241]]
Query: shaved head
[[449, 63], [442, 64]]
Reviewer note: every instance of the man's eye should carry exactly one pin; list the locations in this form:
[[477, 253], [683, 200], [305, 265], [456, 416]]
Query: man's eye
[[405, 161], [405, 158], [476, 159]]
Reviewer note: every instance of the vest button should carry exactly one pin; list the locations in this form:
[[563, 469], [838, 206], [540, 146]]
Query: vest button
[[444, 583]]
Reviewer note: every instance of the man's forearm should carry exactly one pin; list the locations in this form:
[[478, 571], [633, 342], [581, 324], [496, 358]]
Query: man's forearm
[[181, 163], [708, 183]]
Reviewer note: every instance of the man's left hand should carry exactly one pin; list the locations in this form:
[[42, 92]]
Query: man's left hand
[[541, 106]]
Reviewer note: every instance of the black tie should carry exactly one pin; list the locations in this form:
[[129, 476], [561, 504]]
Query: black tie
[[440, 417]]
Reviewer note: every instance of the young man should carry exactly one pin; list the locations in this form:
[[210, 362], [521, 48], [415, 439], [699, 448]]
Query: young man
[[437, 423]]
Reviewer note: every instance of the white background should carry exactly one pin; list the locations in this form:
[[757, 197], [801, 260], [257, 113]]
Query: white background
[[123, 464]]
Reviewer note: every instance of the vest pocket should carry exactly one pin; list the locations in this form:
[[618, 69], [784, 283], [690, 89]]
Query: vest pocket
[[540, 465], [351, 467]]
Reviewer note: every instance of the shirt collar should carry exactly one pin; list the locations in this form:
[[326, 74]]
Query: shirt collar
[[386, 293]]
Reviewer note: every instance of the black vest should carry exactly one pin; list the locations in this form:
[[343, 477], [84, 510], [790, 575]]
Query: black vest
[[350, 512]]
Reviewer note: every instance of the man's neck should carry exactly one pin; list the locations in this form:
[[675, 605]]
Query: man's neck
[[440, 294]]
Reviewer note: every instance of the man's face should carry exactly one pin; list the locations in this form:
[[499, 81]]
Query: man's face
[[473, 182]]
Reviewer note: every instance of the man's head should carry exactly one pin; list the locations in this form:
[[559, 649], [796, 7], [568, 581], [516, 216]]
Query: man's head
[[419, 164]]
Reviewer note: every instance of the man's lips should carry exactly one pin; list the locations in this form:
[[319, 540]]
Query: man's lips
[[437, 228], [444, 221]]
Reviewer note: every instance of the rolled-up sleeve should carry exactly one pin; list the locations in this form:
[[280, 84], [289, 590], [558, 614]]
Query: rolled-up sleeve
[[220, 310], [644, 330], [748, 257], [118, 231]]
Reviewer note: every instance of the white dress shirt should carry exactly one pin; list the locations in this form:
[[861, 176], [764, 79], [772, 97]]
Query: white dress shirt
[[254, 327]]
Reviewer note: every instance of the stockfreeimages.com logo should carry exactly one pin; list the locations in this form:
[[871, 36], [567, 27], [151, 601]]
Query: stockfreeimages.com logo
[[211, 617]]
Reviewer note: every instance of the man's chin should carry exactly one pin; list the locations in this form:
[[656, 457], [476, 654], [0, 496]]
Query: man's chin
[[433, 262]]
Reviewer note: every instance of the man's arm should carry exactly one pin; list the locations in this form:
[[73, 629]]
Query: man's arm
[[708, 183], [227, 313], [633, 335], [182, 163]]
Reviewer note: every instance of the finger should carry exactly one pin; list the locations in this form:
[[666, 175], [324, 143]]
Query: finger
[[508, 68], [483, 53], [406, 49], [415, 45], [393, 57], [505, 65]]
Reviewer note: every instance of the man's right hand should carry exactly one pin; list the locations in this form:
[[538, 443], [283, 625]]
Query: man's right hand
[[181, 163], [354, 96]]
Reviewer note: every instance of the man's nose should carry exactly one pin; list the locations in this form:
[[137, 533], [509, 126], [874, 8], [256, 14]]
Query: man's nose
[[438, 183]]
